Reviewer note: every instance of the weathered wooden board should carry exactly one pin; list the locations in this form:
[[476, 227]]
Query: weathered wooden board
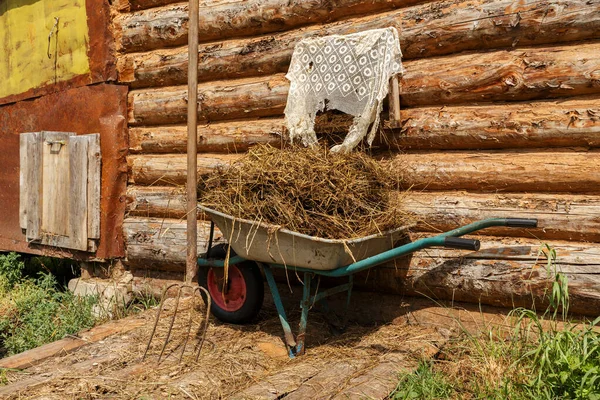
[[325, 384], [281, 383], [168, 26], [93, 185], [78, 193], [574, 122], [524, 74], [30, 205], [25, 386], [23, 180], [517, 171], [444, 27], [382, 379], [55, 194], [33, 357], [64, 242]]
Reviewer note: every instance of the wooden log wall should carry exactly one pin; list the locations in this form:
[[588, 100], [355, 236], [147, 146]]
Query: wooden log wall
[[500, 118]]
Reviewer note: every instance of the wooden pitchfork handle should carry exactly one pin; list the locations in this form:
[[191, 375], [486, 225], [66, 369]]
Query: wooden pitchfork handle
[[191, 270]]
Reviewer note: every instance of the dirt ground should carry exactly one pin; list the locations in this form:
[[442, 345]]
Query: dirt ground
[[244, 362]]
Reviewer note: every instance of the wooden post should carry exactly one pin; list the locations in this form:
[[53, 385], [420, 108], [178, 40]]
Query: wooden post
[[192, 118], [394, 102]]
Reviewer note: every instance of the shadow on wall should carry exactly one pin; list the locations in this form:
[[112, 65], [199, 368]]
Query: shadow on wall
[[7, 5]]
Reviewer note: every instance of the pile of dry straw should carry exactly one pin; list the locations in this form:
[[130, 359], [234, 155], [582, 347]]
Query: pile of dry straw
[[311, 191]]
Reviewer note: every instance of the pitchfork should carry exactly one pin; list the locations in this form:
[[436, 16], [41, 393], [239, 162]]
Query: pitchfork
[[191, 270]]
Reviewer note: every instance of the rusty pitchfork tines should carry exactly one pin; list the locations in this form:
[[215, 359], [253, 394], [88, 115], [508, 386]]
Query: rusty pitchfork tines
[[196, 292]]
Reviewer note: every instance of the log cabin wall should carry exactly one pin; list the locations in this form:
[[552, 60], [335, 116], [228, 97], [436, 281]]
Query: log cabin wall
[[500, 118]]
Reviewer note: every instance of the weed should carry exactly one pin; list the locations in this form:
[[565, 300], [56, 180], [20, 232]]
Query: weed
[[565, 359], [424, 383], [11, 270], [544, 356]]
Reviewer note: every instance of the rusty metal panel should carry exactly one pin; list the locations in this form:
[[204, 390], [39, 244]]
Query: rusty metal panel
[[52, 45], [98, 108]]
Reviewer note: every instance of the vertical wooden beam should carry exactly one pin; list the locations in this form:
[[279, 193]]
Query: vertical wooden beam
[[192, 121], [394, 102]]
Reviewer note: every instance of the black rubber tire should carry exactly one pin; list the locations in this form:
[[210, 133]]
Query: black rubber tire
[[255, 290]]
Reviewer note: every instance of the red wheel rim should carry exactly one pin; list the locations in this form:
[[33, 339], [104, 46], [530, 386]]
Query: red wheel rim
[[235, 293]]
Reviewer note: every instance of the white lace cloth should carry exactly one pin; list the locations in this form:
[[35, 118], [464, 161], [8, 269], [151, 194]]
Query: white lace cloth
[[348, 73]]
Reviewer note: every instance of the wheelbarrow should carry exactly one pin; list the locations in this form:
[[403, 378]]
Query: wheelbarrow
[[256, 245]]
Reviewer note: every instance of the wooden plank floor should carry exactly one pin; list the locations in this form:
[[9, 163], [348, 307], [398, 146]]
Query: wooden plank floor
[[387, 335]]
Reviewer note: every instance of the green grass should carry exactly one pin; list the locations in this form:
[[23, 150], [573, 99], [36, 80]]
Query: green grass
[[35, 311], [36, 308], [424, 383], [542, 357]]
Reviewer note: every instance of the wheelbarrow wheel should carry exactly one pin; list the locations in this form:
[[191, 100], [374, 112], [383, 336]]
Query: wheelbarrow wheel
[[240, 300]]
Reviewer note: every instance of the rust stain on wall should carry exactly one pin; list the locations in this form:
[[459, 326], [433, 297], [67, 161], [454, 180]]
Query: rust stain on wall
[[97, 108]]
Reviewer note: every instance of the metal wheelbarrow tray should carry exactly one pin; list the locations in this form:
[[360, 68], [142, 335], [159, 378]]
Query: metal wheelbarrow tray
[[267, 243], [239, 298]]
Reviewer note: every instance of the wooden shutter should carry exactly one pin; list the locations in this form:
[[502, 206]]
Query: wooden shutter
[[60, 189]]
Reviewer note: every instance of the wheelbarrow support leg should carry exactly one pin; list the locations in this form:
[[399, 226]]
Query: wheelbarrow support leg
[[287, 329], [305, 306]]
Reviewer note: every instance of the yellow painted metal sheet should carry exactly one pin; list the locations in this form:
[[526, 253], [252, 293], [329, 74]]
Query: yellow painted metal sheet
[[41, 42]]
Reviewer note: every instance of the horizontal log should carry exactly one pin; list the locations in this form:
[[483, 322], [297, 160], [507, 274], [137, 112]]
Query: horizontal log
[[560, 216], [425, 30], [161, 242], [136, 5], [523, 74], [227, 137], [168, 26], [566, 123], [171, 169], [506, 272], [157, 202], [571, 172], [230, 137], [517, 171], [255, 97]]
